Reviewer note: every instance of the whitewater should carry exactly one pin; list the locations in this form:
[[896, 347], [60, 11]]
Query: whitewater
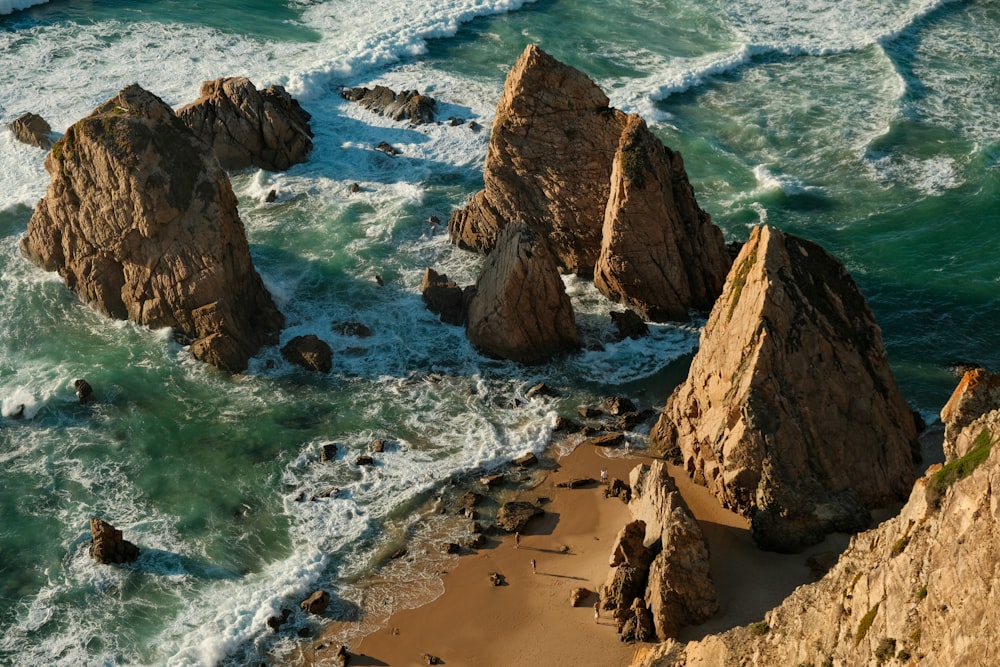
[[866, 126]]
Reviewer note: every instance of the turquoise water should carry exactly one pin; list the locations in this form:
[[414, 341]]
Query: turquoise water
[[869, 127]]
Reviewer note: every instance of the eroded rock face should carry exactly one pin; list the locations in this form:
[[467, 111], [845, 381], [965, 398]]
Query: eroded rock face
[[107, 545], [923, 587], [32, 129], [520, 310], [408, 105], [142, 224], [246, 127], [444, 297], [660, 255], [977, 391], [548, 163], [790, 414], [310, 352]]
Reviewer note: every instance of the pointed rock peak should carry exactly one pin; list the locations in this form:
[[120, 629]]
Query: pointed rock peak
[[660, 253], [540, 84], [976, 394], [520, 310], [790, 413]]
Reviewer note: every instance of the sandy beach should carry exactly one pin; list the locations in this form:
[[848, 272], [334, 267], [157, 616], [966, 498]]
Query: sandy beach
[[529, 619]]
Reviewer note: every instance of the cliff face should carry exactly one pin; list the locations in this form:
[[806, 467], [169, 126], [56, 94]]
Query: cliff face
[[142, 224], [790, 413], [660, 253], [922, 588]]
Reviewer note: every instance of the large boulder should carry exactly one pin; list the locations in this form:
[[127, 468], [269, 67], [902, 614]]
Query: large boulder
[[142, 224], [408, 105], [548, 163], [660, 254], [310, 352], [108, 547], [514, 516], [444, 297], [790, 413], [32, 129], [974, 395], [520, 309], [246, 127]]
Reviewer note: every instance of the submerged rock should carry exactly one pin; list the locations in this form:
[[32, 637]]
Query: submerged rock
[[141, 223]]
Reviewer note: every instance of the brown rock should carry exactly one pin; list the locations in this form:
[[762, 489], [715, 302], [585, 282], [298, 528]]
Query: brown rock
[[578, 595], [107, 545], [32, 129], [520, 310], [142, 224], [790, 413], [316, 603], [660, 255], [407, 105], [356, 329], [514, 516], [548, 163], [526, 461], [975, 393], [246, 127], [309, 352], [629, 324], [445, 297]]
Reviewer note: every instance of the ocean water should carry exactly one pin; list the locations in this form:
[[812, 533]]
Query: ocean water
[[869, 126]]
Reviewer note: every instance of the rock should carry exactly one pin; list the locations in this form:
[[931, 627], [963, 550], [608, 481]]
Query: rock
[[541, 389], [356, 329], [497, 579], [328, 451], [272, 196], [638, 625], [377, 446], [364, 460], [444, 297], [309, 352], [629, 547], [790, 413], [32, 129], [520, 310], [923, 583], [452, 548], [616, 405], [526, 461], [490, 481], [629, 324], [660, 253], [142, 224], [514, 516], [469, 500], [387, 148], [578, 595], [548, 164], [605, 440], [429, 659], [577, 483], [977, 390], [316, 603], [407, 105], [264, 129], [108, 547], [275, 622], [621, 490], [83, 390]]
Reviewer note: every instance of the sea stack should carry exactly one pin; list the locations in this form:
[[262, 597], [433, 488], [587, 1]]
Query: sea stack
[[141, 222], [790, 413]]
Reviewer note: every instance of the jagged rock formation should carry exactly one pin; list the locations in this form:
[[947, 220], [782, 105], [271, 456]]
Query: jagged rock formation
[[310, 352], [661, 558], [32, 129], [977, 390], [107, 546], [247, 127], [520, 309], [660, 254], [790, 413], [548, 163], [922, 588], [445, 297], [407, 105], [142, 224]]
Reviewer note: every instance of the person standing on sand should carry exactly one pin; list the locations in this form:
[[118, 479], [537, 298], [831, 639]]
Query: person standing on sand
[[597, 611], [533, 566], [604, 476], [517, 540]]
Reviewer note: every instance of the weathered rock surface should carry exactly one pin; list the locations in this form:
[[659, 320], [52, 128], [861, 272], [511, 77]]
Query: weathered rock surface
[[408, 105], [444, 297], [514, 516], [310, 352], [922, 588], [520, 309], [977, 391], [246, 127], [790, 413], [548, 163], [107, 545], [142, 224], [32, 129], [660, 254], [316, 603]]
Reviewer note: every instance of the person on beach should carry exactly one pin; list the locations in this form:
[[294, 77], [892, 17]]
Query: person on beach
[[517, 540], [597, 611], [533, 566], [604, 476]]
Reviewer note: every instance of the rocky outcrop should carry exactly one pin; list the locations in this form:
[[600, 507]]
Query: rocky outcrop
[[316, 603], [548, 163], [660, 254], [444, 297], [520, 309], [142, 224], [790, 413], [922, 588], [408, 105], [977, 391], [660, 558], [246, 127], [32, 129], [514, 516], [108, 547], [310, 352]]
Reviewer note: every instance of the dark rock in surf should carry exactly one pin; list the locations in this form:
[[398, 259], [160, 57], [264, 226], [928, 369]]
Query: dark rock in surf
[[309, 352], [33, 130]]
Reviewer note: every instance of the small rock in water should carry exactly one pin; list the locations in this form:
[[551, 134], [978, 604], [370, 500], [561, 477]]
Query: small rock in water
[[83, 390]]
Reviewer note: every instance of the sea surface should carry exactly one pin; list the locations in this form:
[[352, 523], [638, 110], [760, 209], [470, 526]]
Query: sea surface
[[868, 126]]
